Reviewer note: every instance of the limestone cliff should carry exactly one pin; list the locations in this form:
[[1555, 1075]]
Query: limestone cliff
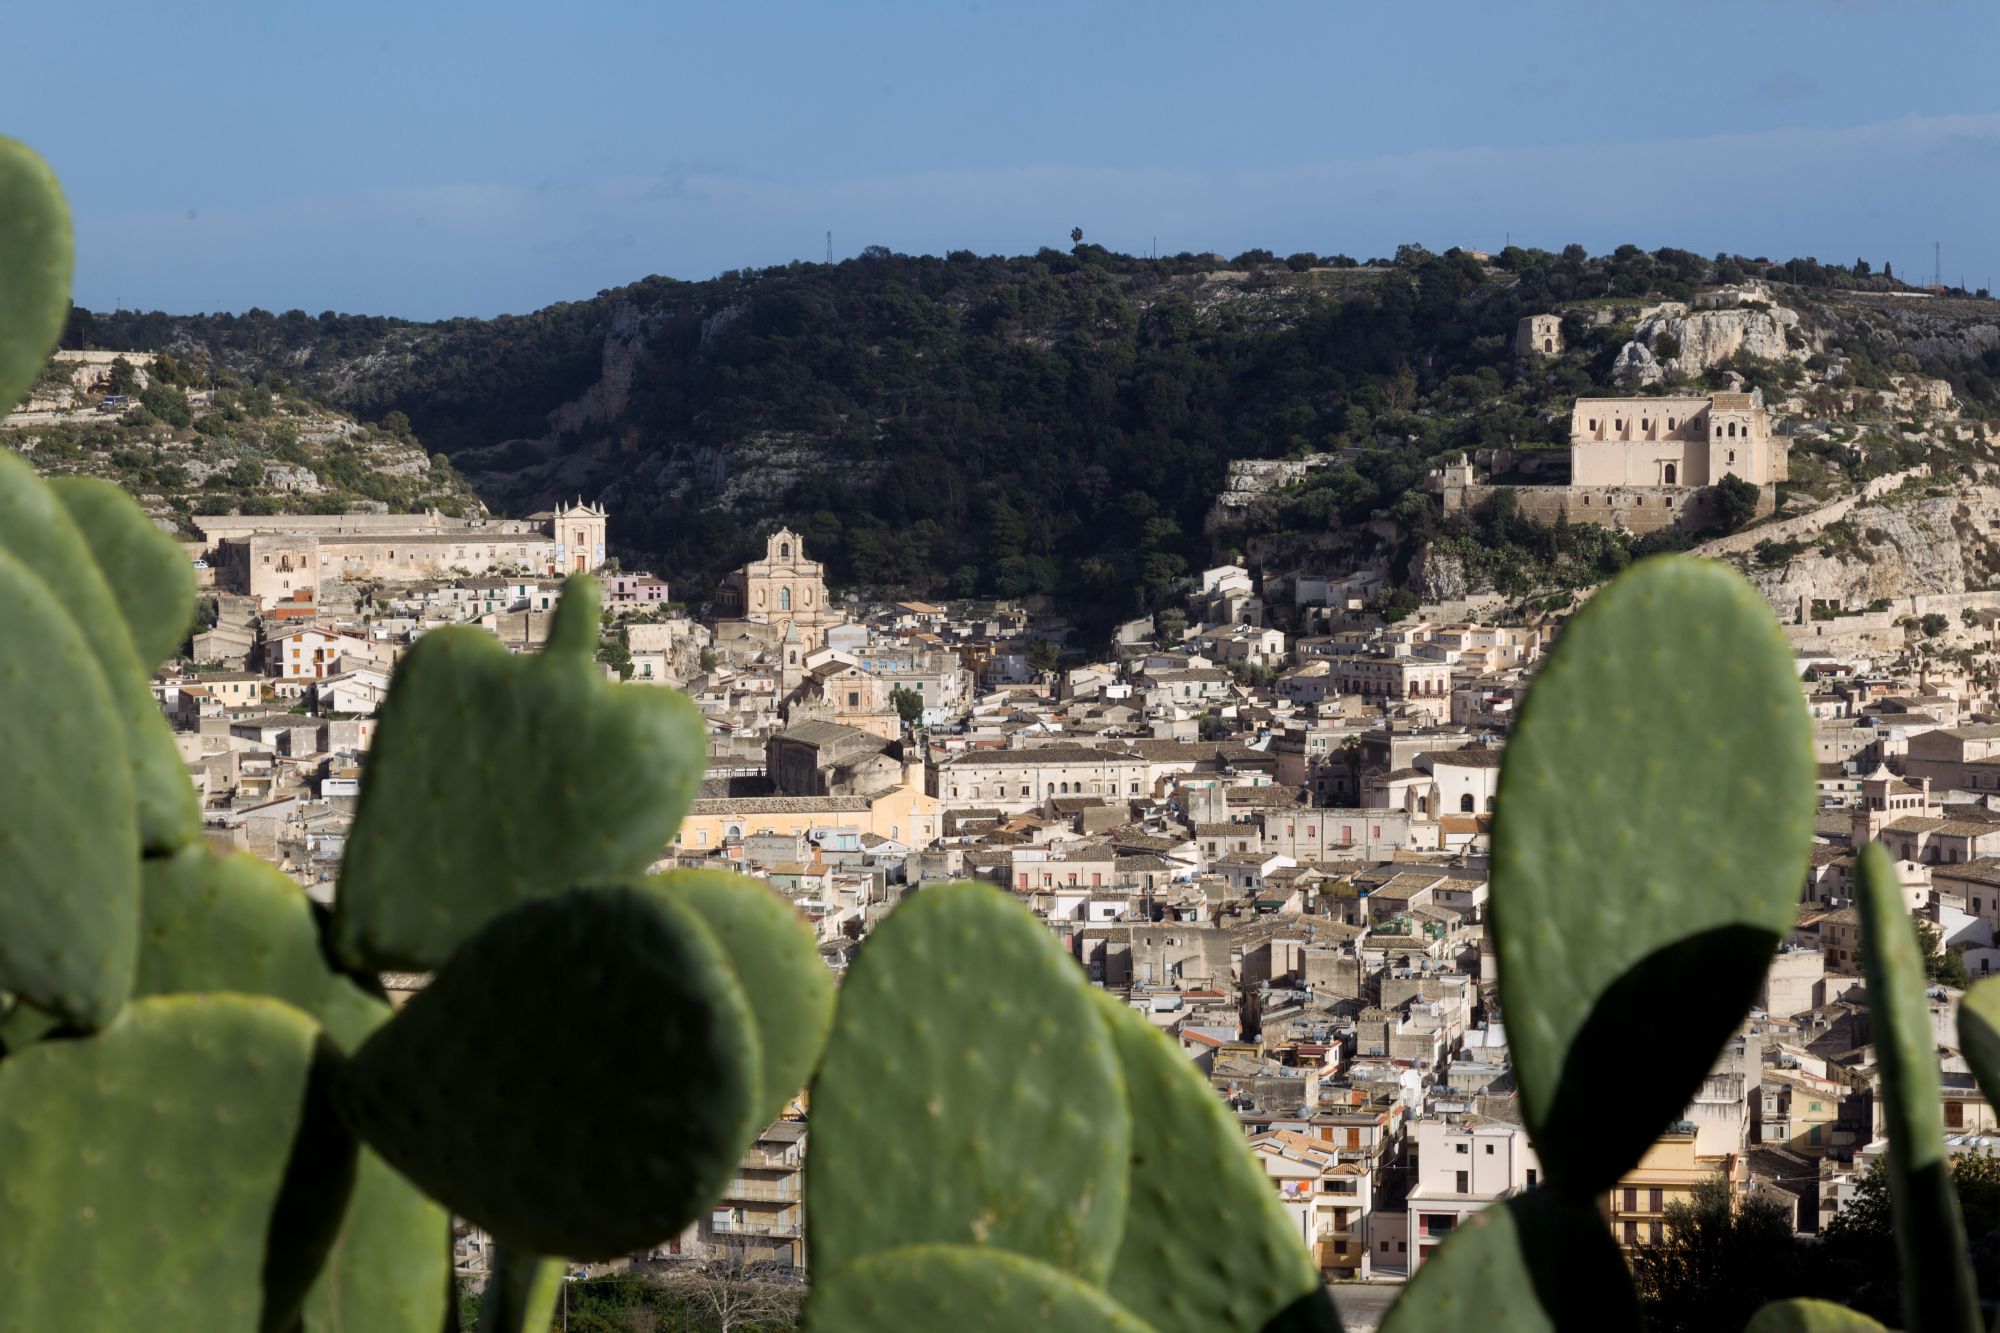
[[1921, 540], [1708, 338]]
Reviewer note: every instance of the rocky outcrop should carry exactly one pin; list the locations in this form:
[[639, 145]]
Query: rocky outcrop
[[1703, 339], [1436, 576], [1912, 543], [1252, 483]]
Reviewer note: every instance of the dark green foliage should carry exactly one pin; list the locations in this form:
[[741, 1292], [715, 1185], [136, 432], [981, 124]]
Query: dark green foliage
[[1635, 856], [1857, 1251], [1810, 1316], [488, 766], [34, 297], [965, 1035], [583, 1088], [190, 1151], [69, 846], [962, 1288], [1938, 1288], [1720, 1260], [1735, 502]]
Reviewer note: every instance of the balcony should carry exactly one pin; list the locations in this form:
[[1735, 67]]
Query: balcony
[[782, 1190], [773, 1161], [755, 1226]]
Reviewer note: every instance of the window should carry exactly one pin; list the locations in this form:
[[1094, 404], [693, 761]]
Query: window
[[784, 550], [1531, 1177], [1489, 1150], [1652, 1233], [853, 699], [1548, 344], [1465, 804], [1732, 455], [1654, 1203], [784, 599], [1462, 1148], [1464, 1185], [1631, 1233], [1670, 474], [1631, 1200]]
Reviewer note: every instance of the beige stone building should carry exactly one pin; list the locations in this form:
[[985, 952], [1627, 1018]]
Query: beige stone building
[[1538, 335], [275, 557], [1686, 441], [785, 591]]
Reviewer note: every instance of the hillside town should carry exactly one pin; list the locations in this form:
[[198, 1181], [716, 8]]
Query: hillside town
[[1265, 825]]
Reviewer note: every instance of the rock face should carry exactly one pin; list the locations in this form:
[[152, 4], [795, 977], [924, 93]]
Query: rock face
[[1437, 577], [1707, 338], [1253, 481], [1900, 548]]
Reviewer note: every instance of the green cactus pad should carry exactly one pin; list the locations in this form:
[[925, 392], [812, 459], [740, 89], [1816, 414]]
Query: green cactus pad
[[21, 1025], [598, 1045], [34, 287], [35, 527], [1531, 1264], [1805, 1315], [495, 778], [969, 1094], [962, 1289], [232, 923], [69, 849], [1938, 1289], [776, 956], [213, 922], [1193, 1182], [180, 1172], [1979, 1035], [1655, 817], [149, 574], [521, 1295]]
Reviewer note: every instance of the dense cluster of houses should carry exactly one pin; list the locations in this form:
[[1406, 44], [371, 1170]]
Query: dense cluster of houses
[[1270, 838]]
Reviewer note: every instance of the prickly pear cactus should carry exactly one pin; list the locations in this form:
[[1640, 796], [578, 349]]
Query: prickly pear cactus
[[1535, 1263], [69, 845], [599, 1044], [1938, 1290], [1654, 818], [38, 530], [181, 1171], [1805, 1315], [34, 283], [1192, 1183], [495, 778], [215, 923], [145, 568], [963, 1288], [969, 1094], [773, 951]]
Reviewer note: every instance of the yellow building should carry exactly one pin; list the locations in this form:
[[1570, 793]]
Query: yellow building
[[905, 813], [1668, 1172]]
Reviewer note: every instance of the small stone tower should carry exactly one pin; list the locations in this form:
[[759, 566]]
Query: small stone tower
[[1538, 335]]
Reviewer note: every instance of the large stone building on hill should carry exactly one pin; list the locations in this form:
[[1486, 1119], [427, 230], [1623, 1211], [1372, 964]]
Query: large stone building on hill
[[275, 557], [1641, 464], [1687, 441]]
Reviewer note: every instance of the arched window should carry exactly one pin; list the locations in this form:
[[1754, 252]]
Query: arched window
[[1732, 455], [1465, 804], [784, 550], [1065, 789], [784, 599], [1670, 474], [1718, 432], [1052, 789], [1732, 430], [795, 657], [1489, 805], [1548, 344]]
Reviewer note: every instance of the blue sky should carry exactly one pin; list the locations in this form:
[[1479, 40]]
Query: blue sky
[[429, 159]]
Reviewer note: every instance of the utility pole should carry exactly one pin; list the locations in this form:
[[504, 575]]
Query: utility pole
[[1937, 263], [829, 247]]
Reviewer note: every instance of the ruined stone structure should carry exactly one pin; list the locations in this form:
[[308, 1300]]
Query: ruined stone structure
[[275, 557], [1538, 335]]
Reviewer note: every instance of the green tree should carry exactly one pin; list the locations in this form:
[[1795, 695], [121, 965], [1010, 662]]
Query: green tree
[[1718, 1260], [1043, 656], [1736, 502], [909, 705]]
